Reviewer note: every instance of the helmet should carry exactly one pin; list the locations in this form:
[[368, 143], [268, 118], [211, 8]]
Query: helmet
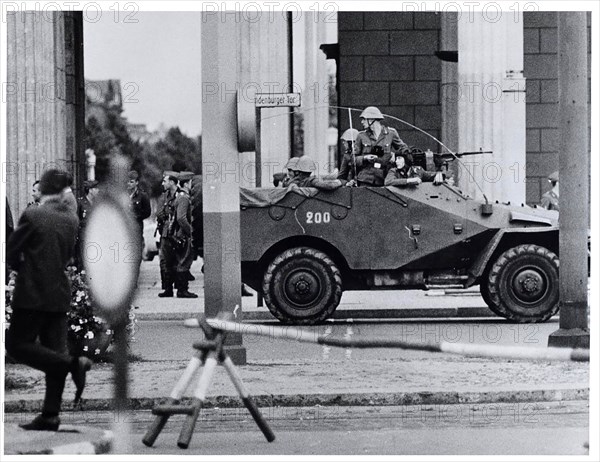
[[306, 164], [349, 135], [371, 112], [553, 177], [291, 164]]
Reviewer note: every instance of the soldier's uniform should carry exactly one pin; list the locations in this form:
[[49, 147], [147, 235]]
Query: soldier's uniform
[[399, 176], [182, 237], [303, 178], [84, 206], [550, 198], [347, 169], [372, 172], [166, 252], [140, 205]]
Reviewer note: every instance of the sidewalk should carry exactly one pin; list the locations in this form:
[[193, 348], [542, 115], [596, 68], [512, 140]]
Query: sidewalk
[[335, 379], [382, 304]]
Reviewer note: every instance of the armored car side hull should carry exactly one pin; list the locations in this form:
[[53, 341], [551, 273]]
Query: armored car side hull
[[302, 248]]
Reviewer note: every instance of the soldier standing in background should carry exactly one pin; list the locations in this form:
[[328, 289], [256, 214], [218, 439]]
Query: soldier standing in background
[[182, 236], [35, 194], [84, 206], [139, 202], [164, 219]]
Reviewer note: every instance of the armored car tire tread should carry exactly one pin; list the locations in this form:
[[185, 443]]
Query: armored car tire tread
[[302, 286], [485, 294], [523, 284]]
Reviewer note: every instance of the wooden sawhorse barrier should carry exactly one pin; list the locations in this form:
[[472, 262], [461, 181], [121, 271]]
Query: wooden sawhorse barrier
[[209, 353]]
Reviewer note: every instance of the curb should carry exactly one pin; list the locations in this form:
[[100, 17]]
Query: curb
[[335, 399], [344, 314], [102, 445]]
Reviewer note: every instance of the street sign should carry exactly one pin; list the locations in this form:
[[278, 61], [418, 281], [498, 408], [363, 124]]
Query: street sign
[[277, 100]]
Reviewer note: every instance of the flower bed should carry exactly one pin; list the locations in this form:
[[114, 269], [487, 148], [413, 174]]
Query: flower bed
[[88, 335]]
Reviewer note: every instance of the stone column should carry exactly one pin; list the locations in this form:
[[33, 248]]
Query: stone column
[[264, 68], [449, 88], [45, 99], [574, 180], [220, 167], [491, 108], [315, 95]]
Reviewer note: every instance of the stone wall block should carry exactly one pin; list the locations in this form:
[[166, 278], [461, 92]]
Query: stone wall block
[[364, 43], [388, 20], [350, 20], [351, 68], [388, 68], [414, 93], [421, 42]]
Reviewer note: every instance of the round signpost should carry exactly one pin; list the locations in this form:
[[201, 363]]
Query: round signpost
[[112, 254]]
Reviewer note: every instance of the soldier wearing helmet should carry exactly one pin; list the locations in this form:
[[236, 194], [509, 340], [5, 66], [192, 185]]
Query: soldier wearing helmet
[[303, 176], [550, 198], [347, 169], [283, 177], [407, 174], [374, 148]]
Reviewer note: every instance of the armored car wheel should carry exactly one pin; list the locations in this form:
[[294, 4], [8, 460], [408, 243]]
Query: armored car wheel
[[485, 294], [302, 286], [523, 284]]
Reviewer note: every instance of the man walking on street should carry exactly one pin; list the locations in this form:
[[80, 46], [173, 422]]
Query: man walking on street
[[164, 219], [39, 249]]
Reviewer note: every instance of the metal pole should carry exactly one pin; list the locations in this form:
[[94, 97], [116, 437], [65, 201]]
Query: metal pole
[[257, 152], [221, 167], [573, 180], [122, 443]]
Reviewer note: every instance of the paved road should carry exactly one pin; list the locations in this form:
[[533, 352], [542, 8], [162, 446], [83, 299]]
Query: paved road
[[502, 428], [170, 340]]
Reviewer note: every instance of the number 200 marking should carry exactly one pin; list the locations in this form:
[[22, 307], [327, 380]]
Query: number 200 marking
[[318, 217]]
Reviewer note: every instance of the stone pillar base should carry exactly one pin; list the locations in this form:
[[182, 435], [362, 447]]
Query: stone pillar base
[[237, 353], [569, 338]]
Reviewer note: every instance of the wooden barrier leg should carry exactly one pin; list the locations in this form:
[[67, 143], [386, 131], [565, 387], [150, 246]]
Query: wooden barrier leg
[[199, 396], [247, 400], [184, 381]]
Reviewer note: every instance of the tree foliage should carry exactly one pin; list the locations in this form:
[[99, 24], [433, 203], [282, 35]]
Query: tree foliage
[[176, 151]]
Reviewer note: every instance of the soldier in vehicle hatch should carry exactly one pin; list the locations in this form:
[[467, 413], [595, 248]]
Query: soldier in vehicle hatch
[[347, 167], [405, 174], [286, 177], [374, 148], [303, 176], [550, 198]]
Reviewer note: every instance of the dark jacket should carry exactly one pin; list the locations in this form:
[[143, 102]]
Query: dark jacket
[[346, 171], [140, 206], [166, 214], [183, 215], [39, 249], [314, 182], [398, 177], [550, 201], [372, 172]]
